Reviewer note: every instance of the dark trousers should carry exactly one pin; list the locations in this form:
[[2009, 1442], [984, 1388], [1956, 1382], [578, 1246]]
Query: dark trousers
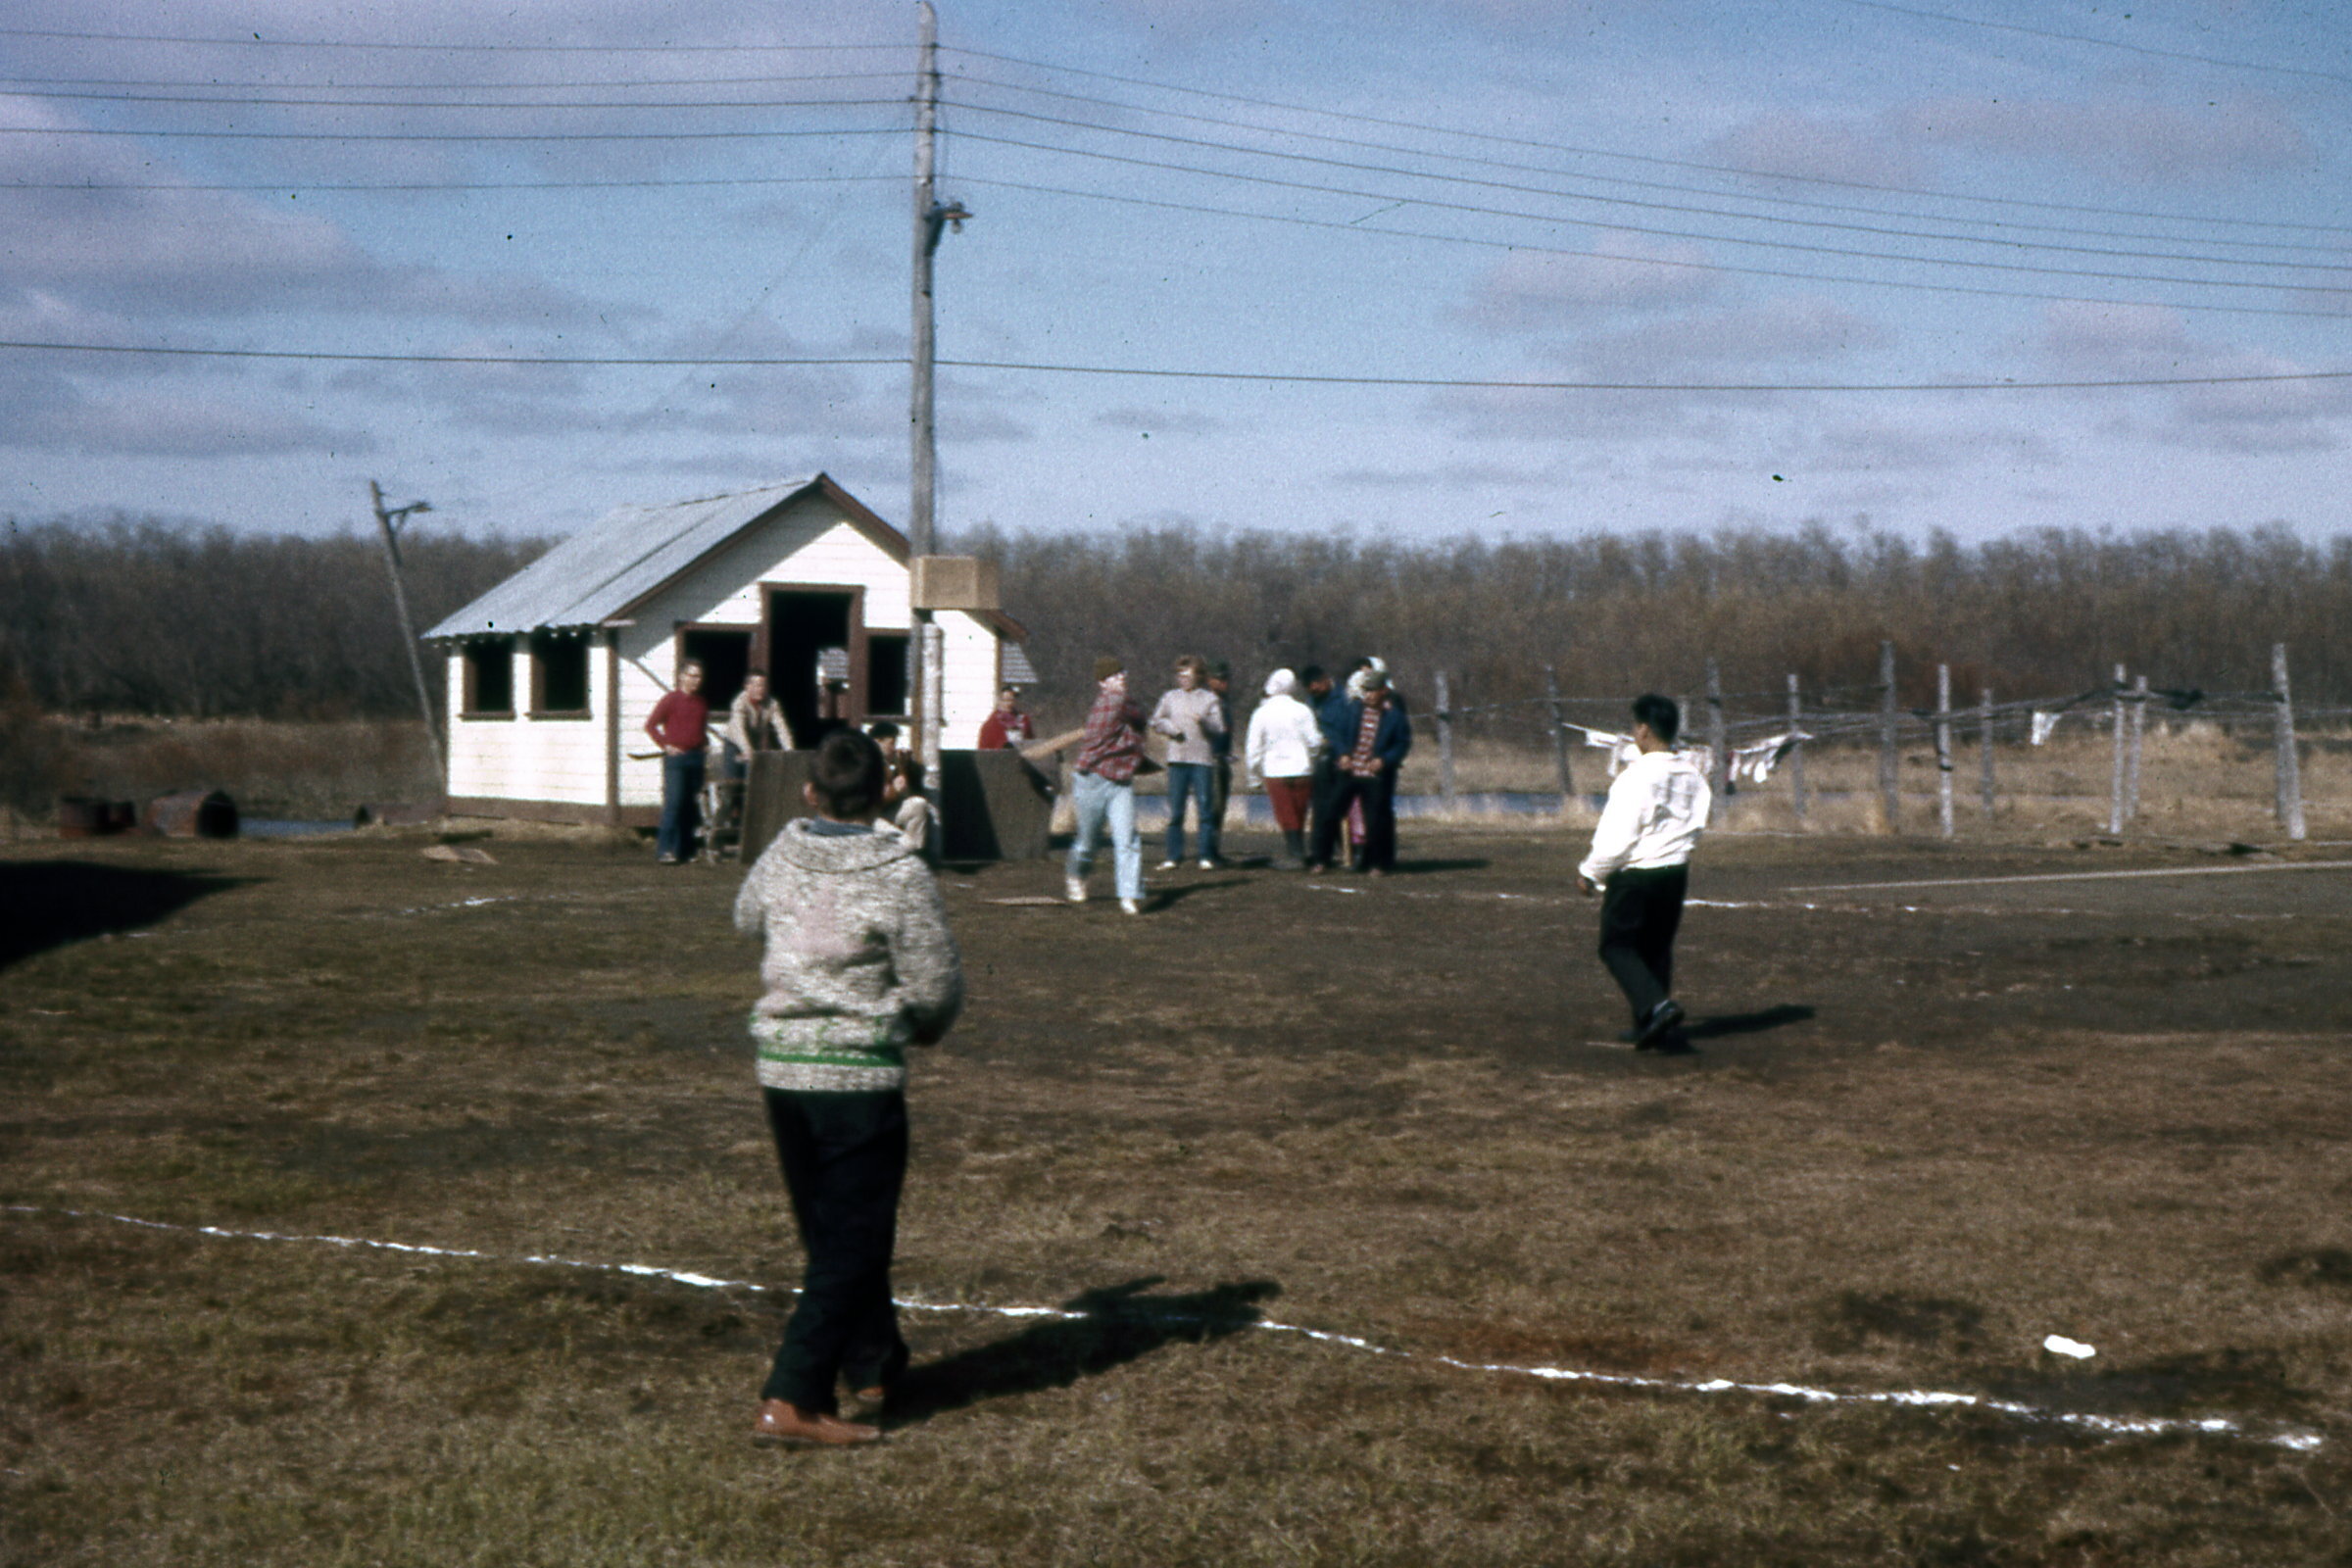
[[1638, 915], [681, 804], [1378, 794], [1220, 795], [845, 1158]]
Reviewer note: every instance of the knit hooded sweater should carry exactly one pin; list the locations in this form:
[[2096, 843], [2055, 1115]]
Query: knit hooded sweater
[[859, 963]]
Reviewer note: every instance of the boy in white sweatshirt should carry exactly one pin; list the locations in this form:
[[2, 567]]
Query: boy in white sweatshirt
[[1641, 856]]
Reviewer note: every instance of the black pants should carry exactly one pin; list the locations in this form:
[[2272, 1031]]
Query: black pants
[[1379, 795], [845, 1158], [1638, 915]]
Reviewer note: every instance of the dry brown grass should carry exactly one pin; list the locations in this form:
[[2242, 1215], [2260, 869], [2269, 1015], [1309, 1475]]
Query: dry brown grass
[[1373, 1113]]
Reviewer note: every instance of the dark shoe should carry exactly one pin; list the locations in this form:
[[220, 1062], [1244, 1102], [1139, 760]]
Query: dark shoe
[[783, 1423], [1662, 1017]]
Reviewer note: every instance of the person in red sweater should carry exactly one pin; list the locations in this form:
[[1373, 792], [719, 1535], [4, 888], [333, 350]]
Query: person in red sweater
[[680, 724], [1008, 725]]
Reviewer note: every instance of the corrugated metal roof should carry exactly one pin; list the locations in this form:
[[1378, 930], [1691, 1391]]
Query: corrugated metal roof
[[600, 571]]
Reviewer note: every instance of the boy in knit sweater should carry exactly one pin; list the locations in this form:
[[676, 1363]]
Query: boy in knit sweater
[[859, 965]]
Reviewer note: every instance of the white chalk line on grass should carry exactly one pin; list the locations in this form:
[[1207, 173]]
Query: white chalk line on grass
[[2082, 876], [2106, 1426], [1561, 900]]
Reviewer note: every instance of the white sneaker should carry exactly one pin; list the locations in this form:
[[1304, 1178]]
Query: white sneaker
[[1167, 865], [1131, 906], [1209, 865], [1074, 889]]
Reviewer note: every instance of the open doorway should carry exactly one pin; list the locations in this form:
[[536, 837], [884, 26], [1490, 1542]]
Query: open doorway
[[797, 626], [726, 657]]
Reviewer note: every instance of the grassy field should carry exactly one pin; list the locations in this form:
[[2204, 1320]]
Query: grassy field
[[1927, 1128]]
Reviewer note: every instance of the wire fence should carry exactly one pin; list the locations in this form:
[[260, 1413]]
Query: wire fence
[[1740, 739]]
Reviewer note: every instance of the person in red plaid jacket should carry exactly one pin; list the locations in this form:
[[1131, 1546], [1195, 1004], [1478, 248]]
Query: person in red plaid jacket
[[1107, 758]]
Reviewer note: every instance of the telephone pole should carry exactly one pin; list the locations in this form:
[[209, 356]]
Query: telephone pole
[[931, 219], [387, 521]]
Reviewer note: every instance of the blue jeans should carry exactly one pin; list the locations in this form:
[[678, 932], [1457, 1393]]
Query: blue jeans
[[1196, 779], [681, 804], [1102, 802]]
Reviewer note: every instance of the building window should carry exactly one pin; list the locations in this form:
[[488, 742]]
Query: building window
[[886, 682], [490, 678], [558, 676]]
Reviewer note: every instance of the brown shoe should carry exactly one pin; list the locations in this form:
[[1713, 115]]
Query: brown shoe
[[780, 1422]]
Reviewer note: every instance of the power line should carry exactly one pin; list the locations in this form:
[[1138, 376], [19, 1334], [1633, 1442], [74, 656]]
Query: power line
[[1661, 206], [424, 103], [258, 41], [1631, 229], [1644, 158], [479, 136], [443, 86], [1551, 250], [1643, 184], [1646, 206], [1282, 377], [2103, 43], [1646, 261], [463, 185]]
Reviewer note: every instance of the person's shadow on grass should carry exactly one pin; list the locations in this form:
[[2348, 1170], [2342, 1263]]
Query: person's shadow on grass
[[1747, 1023], [1116, 1323], [48, 904]]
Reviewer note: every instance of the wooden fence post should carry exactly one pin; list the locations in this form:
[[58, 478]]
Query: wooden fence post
[[1891, 777], [1719, 770], [1796, 751], [1985, 742], [1559, 737], [1943, 750], [2140, 730], [2291, 770], [1444, 741], [2115, 787]]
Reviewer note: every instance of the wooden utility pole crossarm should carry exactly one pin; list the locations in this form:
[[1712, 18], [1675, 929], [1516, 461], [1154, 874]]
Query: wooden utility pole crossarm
[[387, 521]]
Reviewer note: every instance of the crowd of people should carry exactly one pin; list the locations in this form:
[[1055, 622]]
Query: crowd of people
[[1326, 753]]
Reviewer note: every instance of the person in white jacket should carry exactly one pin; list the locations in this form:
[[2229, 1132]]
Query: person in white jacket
[[1641, 861], [1284, 741]]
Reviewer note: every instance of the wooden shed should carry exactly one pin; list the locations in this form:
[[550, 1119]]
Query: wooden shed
[[552, 672]]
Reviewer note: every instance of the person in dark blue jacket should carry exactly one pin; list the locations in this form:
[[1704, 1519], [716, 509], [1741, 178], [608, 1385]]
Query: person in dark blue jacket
[[1369, 738]]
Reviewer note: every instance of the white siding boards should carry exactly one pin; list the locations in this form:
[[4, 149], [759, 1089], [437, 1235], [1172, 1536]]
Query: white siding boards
[[770, 573]]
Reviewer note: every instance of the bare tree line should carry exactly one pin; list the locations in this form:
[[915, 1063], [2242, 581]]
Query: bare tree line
[[2040, 612], [136, 615]]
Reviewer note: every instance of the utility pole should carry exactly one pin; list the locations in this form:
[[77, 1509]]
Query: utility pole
[[930, 219], [387, 521]]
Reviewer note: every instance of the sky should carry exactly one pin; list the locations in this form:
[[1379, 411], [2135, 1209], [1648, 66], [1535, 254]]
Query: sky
[[1405, 272]]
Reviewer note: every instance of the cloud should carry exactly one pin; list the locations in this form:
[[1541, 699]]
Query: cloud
[[1775, 331], [2145, 140], [44, 411], [1158, 421], [1532, 290], [1812, 147], [2124, 342]]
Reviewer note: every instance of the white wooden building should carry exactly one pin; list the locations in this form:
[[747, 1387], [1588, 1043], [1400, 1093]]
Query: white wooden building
[[552, 674]]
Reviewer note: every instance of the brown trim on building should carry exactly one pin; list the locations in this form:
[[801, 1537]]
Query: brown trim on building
[[763, 646], [468, 702], [534, 646], [577, 812]]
